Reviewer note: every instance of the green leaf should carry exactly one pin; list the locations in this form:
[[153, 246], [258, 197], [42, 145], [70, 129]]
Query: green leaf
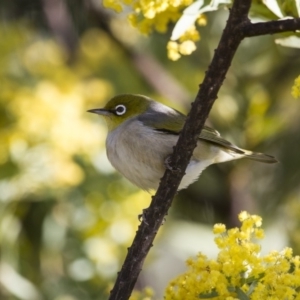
[[252, 287], [290, 7], [212, 294], [231, 289], [292, 267], [241, 294], [252, 279]]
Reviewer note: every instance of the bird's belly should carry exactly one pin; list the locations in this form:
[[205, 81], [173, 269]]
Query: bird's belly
[[143, 174], [140, 158]]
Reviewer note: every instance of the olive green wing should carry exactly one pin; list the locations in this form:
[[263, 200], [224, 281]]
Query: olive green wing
[[168, 121], [172, 122], [213, 136]]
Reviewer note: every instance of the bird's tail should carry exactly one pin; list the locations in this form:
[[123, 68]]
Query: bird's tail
[[265, 158]]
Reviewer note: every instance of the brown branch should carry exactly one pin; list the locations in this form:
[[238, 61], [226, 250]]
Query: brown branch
[[158, 209], [272, 27]]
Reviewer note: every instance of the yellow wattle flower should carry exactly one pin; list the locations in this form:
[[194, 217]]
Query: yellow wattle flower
[[239, 272]]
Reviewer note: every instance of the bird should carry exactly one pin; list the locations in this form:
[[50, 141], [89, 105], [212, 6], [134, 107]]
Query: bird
[[142, 133]]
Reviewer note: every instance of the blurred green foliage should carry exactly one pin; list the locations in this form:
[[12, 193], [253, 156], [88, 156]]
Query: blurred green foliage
[[66, 216]]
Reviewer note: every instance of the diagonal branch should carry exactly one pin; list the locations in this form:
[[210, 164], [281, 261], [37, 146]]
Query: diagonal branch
[[158, 209]]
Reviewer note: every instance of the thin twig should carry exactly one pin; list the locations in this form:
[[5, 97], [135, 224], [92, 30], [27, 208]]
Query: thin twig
[[271, 27]]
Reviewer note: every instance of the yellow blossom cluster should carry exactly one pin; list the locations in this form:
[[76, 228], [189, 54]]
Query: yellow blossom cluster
[[296, 88], [239, 272], [147, 15], [185, 45], [150, 14]]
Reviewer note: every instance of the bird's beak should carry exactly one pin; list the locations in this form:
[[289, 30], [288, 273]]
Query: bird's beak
[[100, 111]]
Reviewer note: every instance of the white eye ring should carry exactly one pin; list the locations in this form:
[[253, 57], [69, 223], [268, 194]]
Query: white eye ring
[[120, 109]]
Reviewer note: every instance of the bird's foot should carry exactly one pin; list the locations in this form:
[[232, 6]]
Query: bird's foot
[[142, 216], [168, 167]]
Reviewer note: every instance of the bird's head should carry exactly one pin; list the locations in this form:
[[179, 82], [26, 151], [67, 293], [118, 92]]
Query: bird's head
[[121, 108]]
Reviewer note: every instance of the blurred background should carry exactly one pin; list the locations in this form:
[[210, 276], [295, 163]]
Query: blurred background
[[66, 217]]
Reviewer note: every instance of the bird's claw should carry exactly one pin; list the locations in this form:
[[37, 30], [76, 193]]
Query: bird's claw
[[168, 167], [142, 216]]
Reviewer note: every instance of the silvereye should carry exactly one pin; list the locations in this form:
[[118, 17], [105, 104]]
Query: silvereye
[[143, 132]]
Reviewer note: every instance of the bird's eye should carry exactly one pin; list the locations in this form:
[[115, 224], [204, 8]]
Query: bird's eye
[[120, 110]]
